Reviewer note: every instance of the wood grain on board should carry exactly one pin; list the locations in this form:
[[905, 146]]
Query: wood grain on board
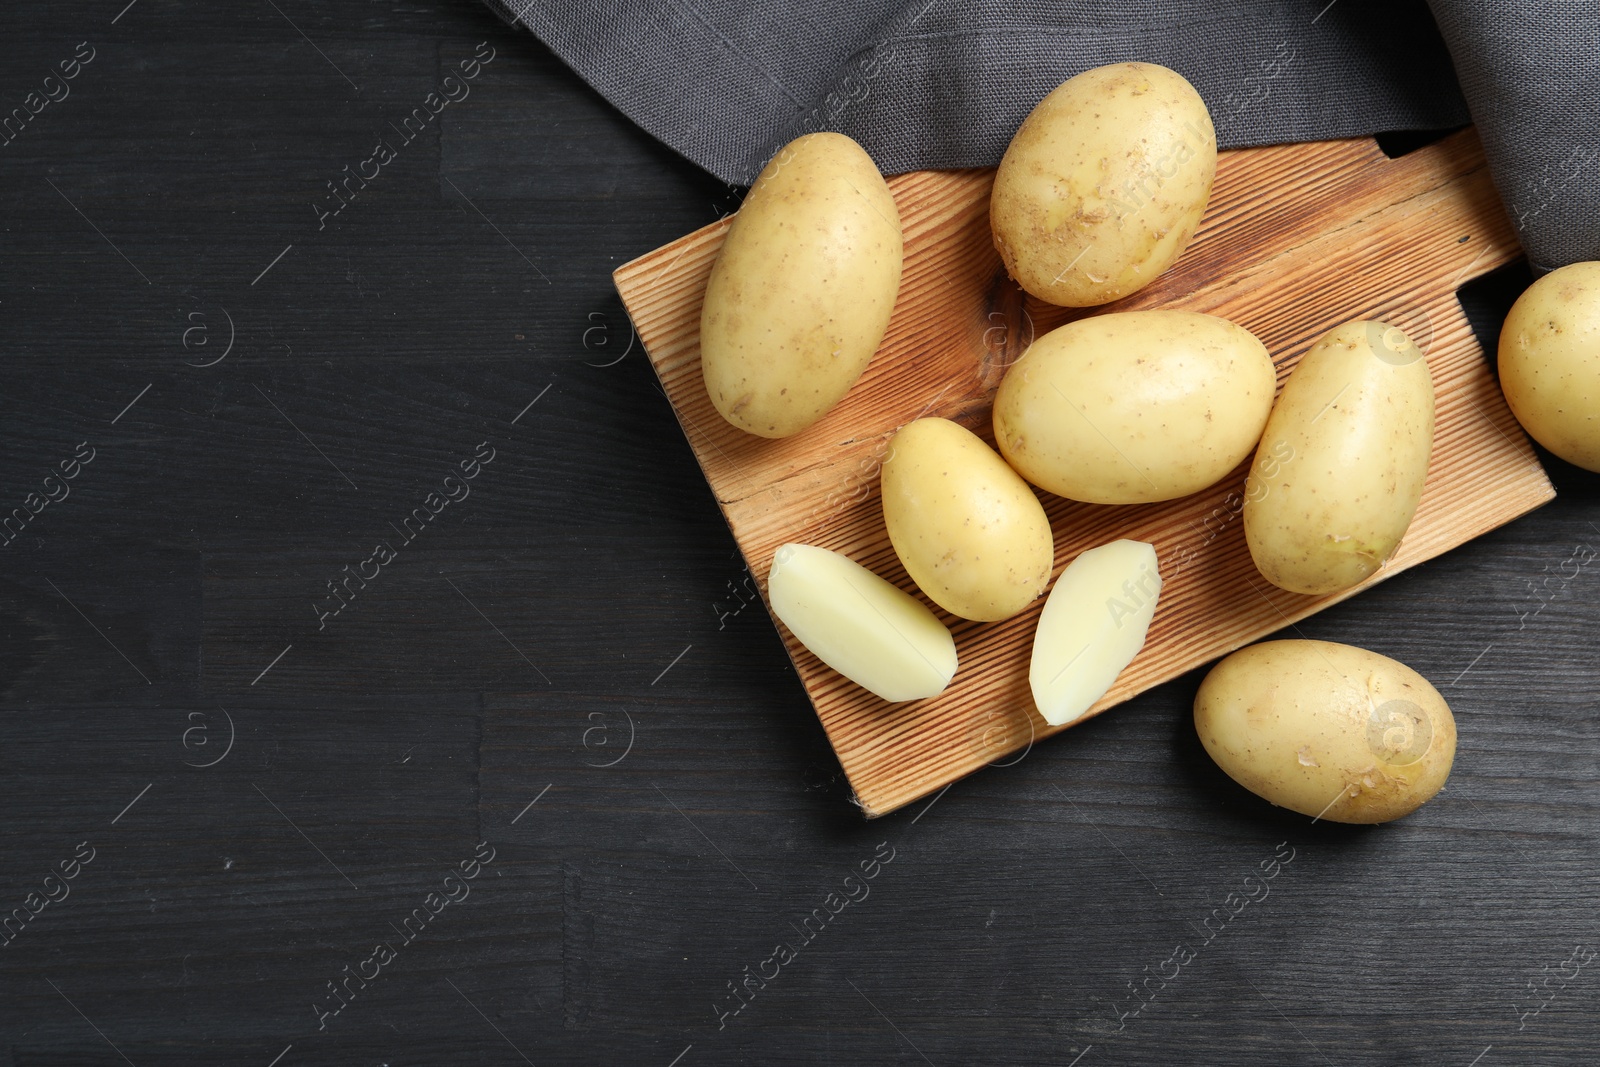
[[1296, 240]]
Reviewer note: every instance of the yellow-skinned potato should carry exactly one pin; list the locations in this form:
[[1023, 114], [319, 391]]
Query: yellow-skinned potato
[[1342, 463], [800, 295], [1104, 184], [1331, 731], [1550, 362], [967, 528], [1135, 406]]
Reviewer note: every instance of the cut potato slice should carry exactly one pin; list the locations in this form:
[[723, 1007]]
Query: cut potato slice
[[875, 634], [1092, 626]]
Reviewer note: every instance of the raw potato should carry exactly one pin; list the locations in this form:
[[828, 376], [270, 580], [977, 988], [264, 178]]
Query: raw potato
[[1343, 460], [878, 636], [1550, 362], [969, 530], [1104, 184], [1092, 626], [800, 295], [1328, 730], [1136, 406]]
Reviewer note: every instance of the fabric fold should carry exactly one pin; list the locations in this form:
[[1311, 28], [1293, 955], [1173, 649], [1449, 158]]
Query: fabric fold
[[934, 84]]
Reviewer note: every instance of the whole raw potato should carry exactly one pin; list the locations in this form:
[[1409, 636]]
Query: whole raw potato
[[1550, 362], [801, 293], [1104, 184], [1342, 463], [969, 531], [1328, 730], [1135, 406]]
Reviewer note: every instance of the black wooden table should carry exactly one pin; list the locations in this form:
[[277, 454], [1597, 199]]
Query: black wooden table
[[379, 685]]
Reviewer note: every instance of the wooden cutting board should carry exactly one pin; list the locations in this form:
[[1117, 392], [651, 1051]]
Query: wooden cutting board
[[1296, 239]]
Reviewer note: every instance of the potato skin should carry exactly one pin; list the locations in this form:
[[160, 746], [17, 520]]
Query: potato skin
[[1136, 406], [968, 529], [1103, 185], [802, 290], [1328, 730], [1550, 362], [1342, 463]]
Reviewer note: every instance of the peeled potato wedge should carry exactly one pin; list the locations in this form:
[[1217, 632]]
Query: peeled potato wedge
[[1092, 626], [872, 632]]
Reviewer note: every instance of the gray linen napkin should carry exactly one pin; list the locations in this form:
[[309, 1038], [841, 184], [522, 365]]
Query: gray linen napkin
[[1531, 73], [945, 83]]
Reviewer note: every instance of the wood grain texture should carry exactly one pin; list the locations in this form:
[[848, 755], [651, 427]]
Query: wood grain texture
[[1296, 240]]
